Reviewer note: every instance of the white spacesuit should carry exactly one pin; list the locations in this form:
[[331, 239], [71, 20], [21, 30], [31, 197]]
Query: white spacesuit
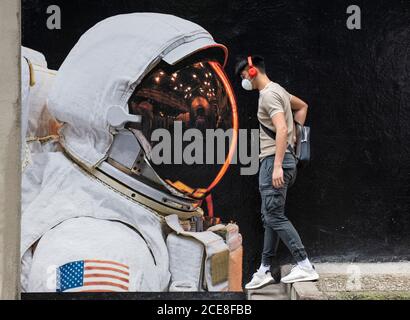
[[97, 214]]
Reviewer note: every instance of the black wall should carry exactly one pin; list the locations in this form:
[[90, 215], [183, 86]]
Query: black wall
[[353, 203]]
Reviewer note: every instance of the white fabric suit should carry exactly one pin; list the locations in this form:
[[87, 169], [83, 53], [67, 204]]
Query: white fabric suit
[[68, 216]]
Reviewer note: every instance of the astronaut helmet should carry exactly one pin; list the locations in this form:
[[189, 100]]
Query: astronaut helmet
[[135, 77], [185, 111]]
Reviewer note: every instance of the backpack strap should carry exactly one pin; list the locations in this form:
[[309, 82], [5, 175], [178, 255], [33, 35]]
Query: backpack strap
[[271, 134]]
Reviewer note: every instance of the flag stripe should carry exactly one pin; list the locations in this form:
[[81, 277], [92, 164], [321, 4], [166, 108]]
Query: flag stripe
[[108, 280], [97, 275], [107, 262], [107, 268], [105, 265], [105, 283], [111, 273]]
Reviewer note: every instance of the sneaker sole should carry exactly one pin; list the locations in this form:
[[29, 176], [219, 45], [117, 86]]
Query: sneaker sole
[[259, 286], [309, 279]]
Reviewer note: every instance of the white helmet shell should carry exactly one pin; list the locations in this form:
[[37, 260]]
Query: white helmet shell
[[105, 67]]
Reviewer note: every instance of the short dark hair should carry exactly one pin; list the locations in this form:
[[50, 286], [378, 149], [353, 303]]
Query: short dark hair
[[242, 62]]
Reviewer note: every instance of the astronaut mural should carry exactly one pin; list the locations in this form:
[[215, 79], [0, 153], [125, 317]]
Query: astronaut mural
[[98, 214]]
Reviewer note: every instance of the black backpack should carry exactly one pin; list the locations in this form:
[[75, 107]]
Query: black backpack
[[302, 147]]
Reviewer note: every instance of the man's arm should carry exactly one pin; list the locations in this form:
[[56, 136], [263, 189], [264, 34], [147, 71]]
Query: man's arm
[[300, 108], [279, 123]]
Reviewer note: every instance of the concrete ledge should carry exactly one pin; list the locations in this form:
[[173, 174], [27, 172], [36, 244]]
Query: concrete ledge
[[390, 268], [270, 292], [354, 279], [351, 278], [363, 277], [306, 291], [301, 290], [281, 291]]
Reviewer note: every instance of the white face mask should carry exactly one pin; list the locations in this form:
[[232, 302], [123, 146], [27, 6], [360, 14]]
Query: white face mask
[[247, 84]]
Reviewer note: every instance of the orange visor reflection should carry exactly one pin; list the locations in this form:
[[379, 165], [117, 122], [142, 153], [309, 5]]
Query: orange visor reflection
[[216, 66]]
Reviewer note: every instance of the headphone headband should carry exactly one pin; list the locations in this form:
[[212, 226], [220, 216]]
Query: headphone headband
[[253, 72], [250, 62]]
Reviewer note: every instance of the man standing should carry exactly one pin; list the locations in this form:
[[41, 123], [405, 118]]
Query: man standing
[[277, 171]]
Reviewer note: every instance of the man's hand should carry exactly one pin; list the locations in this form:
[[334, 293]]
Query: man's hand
[[277, 177]]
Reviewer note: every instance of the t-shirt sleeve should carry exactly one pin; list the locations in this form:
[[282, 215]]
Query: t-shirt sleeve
[[273, 104]]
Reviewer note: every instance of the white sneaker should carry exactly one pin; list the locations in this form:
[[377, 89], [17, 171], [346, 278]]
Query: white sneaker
[[259, 280], [299, 274]]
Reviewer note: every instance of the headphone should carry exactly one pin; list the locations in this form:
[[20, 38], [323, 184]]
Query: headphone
[[253, 72]]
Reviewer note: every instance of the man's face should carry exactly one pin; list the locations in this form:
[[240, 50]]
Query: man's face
[[245, 74]]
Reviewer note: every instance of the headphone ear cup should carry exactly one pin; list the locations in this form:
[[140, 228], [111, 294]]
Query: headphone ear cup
[[253, 72]]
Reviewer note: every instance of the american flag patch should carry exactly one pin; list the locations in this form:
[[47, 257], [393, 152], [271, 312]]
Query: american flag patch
[[93, 276]]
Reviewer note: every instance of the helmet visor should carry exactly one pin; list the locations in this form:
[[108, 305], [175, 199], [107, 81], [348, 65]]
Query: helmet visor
[[189, 119]]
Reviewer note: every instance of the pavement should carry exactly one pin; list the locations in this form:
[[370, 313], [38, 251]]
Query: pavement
[[281, 291], [347, 281], [365, 280]]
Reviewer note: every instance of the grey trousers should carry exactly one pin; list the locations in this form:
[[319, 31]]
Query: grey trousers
[[277, 225]]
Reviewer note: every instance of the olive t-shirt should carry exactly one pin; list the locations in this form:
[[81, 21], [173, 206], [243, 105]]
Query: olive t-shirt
[[272, 100]]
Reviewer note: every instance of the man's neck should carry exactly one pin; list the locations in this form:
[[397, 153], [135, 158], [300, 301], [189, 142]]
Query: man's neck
[[263, 82]]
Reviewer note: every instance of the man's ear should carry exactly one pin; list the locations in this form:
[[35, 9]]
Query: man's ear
[[258, 74], [259, 71]]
